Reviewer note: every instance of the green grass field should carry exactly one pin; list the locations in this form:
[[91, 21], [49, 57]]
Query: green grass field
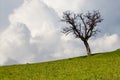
[[104, 66]]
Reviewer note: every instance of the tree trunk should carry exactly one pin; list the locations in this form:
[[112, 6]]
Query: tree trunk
[[87, 48]]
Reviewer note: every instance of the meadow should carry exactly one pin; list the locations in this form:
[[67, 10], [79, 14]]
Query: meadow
[[101, 66]]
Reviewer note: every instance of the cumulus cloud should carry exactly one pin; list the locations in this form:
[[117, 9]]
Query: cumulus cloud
[[61, 5], [6, 10], [15, 43], [2, 59], [34, 34], [105, 43]]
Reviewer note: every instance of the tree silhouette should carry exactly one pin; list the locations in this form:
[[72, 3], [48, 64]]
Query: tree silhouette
[[83, 26]]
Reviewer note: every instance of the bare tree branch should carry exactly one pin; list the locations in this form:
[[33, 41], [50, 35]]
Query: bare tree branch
[[83, 26]]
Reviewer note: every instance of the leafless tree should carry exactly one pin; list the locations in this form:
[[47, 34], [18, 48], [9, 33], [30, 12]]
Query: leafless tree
[[83, 26]]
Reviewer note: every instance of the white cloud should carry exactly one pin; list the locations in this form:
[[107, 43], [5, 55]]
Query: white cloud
[[43, 38], [15, 43], [62, 5], [105, 43], [37, 13], [34, 34], [3, 59], [6, 10]]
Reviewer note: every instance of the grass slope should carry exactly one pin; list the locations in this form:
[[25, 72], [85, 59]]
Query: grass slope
[[97, 67]]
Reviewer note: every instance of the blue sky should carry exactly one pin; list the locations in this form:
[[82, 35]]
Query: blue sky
[[30, 29]]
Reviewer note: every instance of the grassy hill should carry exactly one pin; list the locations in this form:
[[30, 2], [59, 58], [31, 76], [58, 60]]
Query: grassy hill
[[103, 66]]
